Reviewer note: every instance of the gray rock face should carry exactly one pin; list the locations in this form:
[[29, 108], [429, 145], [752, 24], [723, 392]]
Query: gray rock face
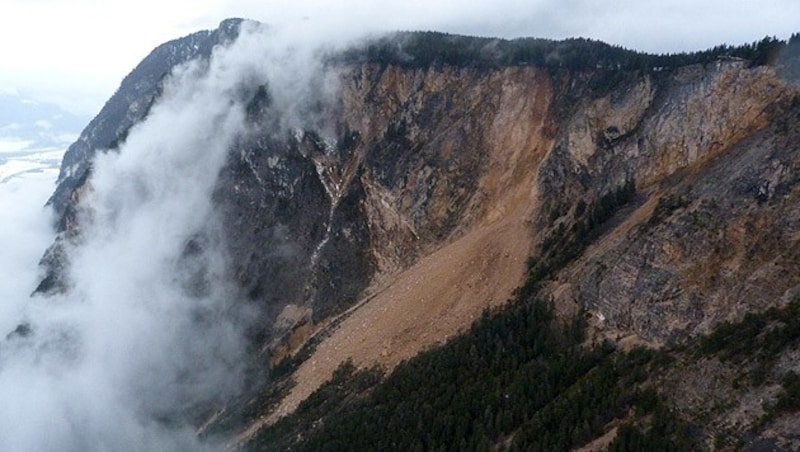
[[728, 247], [294, 241], [713, 154], [413, 157], [129, 105]]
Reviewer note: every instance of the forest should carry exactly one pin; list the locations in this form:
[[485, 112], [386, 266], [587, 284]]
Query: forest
[[523, 379], [519, 377], [432, 49]]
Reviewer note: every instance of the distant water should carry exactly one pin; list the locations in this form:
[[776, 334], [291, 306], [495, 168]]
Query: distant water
[[45, 161]]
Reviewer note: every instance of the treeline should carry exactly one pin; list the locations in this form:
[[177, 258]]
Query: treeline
[[519, 377], [565, 242], [755, 345], [426, 49]]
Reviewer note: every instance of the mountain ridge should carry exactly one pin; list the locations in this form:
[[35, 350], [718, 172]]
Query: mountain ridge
[[493, 156]]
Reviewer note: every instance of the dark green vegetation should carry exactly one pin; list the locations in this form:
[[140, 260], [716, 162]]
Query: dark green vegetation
[[431, 49], [664, 208], [519, 378], [789, 399], [754, 345], [663, 432], [514, 378], [759, 336], [566, 242], [600, 66]]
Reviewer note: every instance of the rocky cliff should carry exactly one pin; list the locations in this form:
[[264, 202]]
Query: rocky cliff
[[708, 160], [416, 198]]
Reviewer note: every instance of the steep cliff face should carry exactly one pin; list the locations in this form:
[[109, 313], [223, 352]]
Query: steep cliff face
[[688, 139], [406, 159], [415, 199], [422, 158], [129, 105], [474, 141], [708, 158]]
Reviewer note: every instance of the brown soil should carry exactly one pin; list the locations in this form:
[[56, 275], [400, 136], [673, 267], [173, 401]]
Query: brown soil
[[444, 292], [425, 305]]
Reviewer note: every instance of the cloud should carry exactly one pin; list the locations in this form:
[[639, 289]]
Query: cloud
[[24, 233], [667, 26], [75, 52], [151, 326]]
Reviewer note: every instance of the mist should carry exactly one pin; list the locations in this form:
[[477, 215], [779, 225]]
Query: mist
[[150, 328]]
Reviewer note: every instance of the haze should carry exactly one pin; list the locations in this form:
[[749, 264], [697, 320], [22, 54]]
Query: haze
[[75, 52]]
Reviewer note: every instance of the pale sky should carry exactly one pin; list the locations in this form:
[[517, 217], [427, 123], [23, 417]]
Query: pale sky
[[75, 52]]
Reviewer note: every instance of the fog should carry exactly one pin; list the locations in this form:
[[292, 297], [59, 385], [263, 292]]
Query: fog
[[74, 52], [149, 327]]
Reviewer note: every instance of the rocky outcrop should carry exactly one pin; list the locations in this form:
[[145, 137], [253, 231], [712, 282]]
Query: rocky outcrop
[[128, 106], [689, 141], [414, 200], [421, 157]]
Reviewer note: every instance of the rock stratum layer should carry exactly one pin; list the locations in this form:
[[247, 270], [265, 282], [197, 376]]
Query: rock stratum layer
[[418, 197]]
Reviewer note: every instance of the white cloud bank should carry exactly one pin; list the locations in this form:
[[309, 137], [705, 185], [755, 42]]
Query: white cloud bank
[[150, 326], [75, 52]]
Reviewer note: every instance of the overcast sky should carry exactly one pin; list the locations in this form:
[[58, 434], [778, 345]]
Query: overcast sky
[[75, 52]]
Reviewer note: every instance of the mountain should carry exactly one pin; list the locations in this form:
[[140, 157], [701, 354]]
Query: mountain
[[639, 211], [36, 125], [33, 135]]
